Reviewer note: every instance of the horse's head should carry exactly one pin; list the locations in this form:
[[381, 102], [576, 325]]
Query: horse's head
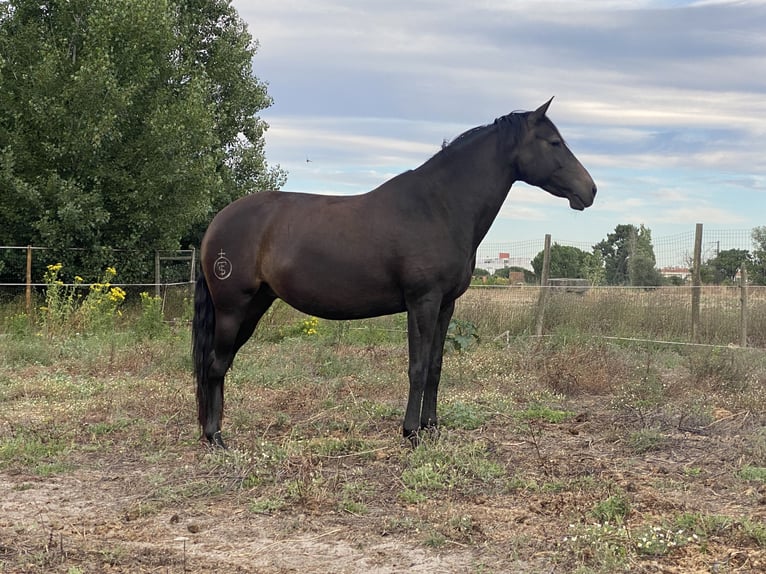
[[544, 160]]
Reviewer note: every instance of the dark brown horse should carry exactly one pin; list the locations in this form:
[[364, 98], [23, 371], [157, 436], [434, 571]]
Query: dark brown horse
[[409, 245]]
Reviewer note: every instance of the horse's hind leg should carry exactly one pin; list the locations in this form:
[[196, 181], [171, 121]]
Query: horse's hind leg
[[226, 329], [232, 330]]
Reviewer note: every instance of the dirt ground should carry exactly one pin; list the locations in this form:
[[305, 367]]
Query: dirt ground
[[117, 506]]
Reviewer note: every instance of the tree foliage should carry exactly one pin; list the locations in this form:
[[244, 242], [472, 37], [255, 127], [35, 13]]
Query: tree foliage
[[757, 267], [724, 266], [125, 124], [569, 262], [628, 256]]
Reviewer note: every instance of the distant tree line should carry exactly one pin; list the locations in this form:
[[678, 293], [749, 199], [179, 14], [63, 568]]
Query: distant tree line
[[626, 258], [125, 124]]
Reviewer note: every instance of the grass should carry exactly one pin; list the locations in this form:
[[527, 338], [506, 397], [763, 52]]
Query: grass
[[569, 450]]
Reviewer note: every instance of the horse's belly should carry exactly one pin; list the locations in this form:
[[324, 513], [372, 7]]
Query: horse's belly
[[343, 303]]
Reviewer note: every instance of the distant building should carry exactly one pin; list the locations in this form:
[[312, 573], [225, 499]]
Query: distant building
[[502, 261]]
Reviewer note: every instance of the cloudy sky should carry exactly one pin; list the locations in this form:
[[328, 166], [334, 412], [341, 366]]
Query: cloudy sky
[[664, 102]]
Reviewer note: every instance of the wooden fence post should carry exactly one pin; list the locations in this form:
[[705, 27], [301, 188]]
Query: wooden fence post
[[192, 266], [540, 314], [156, 273], [696, 283], [29, 281], [743, 307]]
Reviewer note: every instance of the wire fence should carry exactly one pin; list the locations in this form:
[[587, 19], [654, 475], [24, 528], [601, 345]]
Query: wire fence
[[662, 314], [671, 252]]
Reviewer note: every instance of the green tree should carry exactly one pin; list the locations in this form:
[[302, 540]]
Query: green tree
[[724, 266], [628, 256], [124, 124], [757, 266], [565, 262]]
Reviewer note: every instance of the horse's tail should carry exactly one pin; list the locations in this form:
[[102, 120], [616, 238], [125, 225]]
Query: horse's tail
[[203, 330]]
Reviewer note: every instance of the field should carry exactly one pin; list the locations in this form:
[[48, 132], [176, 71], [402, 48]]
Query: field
[[562, 454]]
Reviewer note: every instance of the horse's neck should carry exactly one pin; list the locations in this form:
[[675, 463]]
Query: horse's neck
[[472, 185]]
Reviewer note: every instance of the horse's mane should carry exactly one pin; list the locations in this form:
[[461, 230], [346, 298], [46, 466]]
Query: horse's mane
[[509, 129]]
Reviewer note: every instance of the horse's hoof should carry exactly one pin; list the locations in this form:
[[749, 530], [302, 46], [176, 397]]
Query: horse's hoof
[[216, 440], [430, 430], [412, 436]]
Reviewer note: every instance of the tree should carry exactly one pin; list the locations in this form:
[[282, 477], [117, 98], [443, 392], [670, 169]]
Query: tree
[[124, 124], [628, 256], [757, 266], [724, 266], [565, 262]]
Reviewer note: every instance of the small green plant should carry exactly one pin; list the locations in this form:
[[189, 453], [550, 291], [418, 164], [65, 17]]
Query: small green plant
[[267, 505], [17, 325], [61, 301], [543, 413], [755, 530], [613, 509], [659, 541], [435, 539], [603, 544], [461, 335], [443, 466], [754, 473], [462, 415], [646, 440], [149, 323]]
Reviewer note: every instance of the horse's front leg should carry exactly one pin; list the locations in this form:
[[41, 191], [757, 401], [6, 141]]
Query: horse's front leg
[[428, 416], [421, 326]]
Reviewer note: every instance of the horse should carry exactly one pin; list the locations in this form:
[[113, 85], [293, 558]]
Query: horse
[[407, 245]]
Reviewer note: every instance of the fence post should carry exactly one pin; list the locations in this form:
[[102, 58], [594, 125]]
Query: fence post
[[192, 265], [157, 273], [696, 283], [540, 314], [743, 307], [29, 281]]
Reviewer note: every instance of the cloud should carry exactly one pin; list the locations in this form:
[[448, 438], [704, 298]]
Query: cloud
[[651, 95]]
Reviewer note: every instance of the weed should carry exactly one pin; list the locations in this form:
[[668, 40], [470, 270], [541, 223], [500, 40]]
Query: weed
[[310, 326], [149, 324], [646, 440], [613, 509], [440, 466], [36, 450], [461, 335], [755, 530], [693, 471], [435, 539], [267, 505], [461, 415], [542, 413], [603, 544], [643, 396], [719, 370], [754, 473], [659, 541]]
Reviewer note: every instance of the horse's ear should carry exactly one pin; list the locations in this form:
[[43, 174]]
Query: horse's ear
[[540, 112]]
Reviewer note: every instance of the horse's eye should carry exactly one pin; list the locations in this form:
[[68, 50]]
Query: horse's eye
[[556, 143]]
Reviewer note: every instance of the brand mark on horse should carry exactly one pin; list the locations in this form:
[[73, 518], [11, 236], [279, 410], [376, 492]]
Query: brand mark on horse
[[222, 266]]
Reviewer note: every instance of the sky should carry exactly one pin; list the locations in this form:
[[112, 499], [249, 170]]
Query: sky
[[664, 102]]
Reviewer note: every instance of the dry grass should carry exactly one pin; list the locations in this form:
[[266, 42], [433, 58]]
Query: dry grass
[[540, 439], [101, 469]]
